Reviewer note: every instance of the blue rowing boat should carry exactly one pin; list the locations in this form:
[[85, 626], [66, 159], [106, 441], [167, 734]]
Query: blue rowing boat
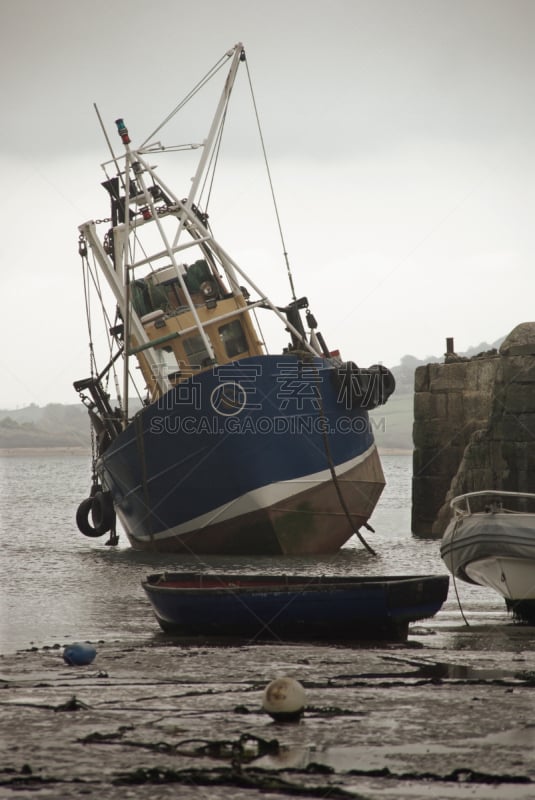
[[293, 607]]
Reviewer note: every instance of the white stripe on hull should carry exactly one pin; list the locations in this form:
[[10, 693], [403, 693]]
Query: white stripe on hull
[[263, 498]]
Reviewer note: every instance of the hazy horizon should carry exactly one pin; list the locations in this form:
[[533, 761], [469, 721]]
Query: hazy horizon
[[400, 137]]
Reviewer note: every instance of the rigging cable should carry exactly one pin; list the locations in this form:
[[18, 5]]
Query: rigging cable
[[209, 75], [86, 270], [285, 253], [96, 281], [82, 250], [94, 274], [209, 181], [214, 157]]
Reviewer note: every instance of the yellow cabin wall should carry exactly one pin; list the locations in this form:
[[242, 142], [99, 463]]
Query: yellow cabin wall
[[181, 322]]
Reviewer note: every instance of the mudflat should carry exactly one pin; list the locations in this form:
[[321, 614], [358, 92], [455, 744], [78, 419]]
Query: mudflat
[[449, 714]]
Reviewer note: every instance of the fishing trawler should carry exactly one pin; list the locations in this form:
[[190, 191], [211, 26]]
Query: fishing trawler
[[229, 448]]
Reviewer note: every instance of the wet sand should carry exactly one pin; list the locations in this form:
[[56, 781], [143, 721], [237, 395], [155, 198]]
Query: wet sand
[[449, 714]]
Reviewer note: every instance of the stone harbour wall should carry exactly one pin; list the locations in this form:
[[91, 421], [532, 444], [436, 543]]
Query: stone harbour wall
[[474, 428]]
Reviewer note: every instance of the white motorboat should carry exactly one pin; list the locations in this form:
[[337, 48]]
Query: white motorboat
[[490, 541]]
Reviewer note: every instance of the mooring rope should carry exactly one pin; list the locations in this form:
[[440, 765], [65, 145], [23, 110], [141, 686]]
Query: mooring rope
[[334, 476], [453, 575]]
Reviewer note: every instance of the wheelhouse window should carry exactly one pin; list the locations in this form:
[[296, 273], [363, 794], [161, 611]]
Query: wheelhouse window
[[233, 338], [196, 352]]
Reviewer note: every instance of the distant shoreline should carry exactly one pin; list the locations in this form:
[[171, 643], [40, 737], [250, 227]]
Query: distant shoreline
[[44, 451], [6, 452]]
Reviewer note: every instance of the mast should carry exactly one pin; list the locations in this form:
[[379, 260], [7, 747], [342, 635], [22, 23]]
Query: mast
[[134, 161], [117, 259], [126, 276], [239, 56]]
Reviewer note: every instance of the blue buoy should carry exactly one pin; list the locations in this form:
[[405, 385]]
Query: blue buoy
[[79, 654]]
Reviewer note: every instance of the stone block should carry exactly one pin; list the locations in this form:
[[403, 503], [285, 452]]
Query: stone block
[[421, 379], [519, 398], [466, 431], [477, 456], [476, 480], [477, 405], [519, 480], [485, 373], [430, 406], [497, 456], [428, 495], [455, 408], [448, 377], [518, 368], [474, 429], [442, 463], [422, 406], [439, 405], [520, 340], [496, 425], [530, 457], [518, 427], [514, 452], [438, 434]]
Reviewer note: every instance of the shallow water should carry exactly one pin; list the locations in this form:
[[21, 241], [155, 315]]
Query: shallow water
[[57, 586]]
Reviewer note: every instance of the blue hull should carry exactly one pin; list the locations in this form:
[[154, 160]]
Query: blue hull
[[240, 459], [293, 608]]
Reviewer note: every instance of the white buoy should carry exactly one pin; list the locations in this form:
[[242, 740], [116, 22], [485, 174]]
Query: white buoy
[[79, 654], [284, 700]]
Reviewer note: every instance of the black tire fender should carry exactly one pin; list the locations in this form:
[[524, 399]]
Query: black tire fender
[[82, 519], [386, 380], [102, 512]]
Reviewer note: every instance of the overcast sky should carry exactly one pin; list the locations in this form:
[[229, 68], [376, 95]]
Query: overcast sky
[[401, 140]]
